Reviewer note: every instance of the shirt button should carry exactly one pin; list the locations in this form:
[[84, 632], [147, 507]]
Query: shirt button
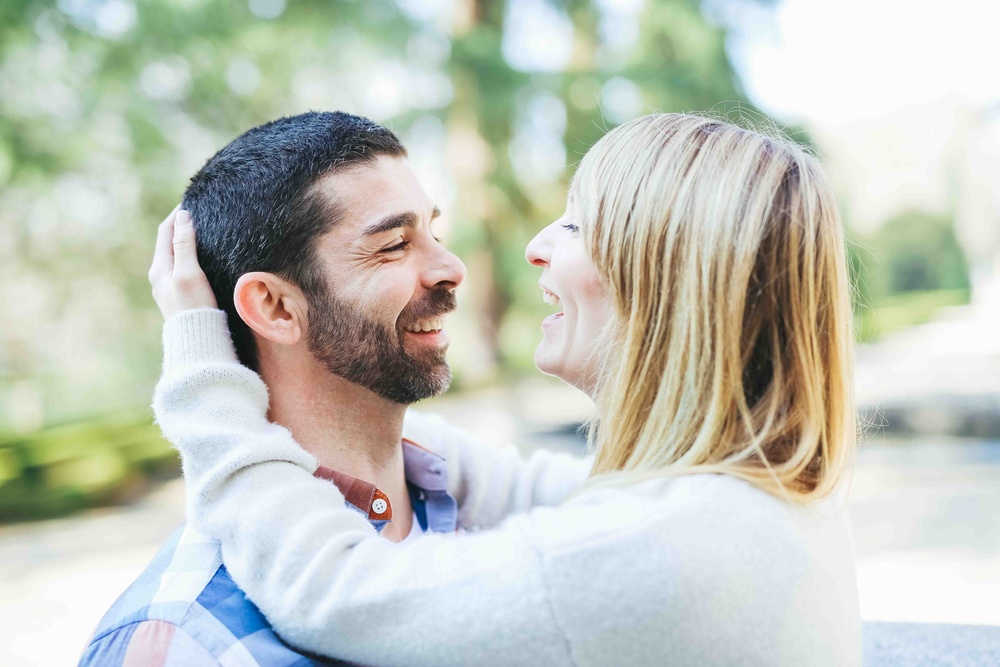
[[379, 506]]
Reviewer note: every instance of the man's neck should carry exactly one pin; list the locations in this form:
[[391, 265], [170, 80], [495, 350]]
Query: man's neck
[[346, 427]]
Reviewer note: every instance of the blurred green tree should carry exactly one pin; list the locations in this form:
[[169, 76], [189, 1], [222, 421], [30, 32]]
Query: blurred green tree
[[918, 251], [905, 272], [107, 106], [528, 107]]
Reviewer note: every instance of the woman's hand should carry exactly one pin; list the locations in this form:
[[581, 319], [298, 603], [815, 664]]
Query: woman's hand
[[177, 279]]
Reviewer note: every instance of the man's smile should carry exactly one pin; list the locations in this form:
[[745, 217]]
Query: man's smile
[[424, 326], [428, 331]]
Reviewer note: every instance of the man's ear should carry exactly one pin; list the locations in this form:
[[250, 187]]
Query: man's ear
[[273, 307]]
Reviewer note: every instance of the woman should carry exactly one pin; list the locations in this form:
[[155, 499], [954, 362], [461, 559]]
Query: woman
[[702, 271]]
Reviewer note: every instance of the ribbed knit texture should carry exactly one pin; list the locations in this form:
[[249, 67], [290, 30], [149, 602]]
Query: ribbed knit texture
[[701, 570], [195, 338]]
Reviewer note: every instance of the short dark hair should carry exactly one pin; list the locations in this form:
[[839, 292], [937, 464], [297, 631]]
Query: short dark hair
[[254, 207]]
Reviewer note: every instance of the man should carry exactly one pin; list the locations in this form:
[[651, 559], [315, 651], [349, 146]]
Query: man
[[318, 243]]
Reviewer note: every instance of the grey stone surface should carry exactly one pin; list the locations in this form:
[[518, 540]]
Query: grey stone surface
[[931, 645], [939, 378]]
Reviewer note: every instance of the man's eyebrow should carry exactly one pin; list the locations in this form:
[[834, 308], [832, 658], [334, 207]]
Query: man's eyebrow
[[397, 220], [393, 221]]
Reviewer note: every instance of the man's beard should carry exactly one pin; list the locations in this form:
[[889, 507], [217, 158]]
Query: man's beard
[[372, 355]]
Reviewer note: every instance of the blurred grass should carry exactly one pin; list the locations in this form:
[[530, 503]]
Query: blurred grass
[[66, 468], [898, 311]]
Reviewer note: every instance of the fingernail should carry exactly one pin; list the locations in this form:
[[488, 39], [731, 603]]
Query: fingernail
[[183, 218]]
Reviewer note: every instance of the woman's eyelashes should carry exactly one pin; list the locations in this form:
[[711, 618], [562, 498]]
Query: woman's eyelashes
[[571, 227]]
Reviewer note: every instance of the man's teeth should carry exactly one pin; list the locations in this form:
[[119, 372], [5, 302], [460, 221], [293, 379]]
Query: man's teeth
[[424, 326], [550, 298]]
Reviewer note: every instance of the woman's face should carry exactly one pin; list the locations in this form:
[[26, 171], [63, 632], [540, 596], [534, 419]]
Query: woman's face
[[569, 282]]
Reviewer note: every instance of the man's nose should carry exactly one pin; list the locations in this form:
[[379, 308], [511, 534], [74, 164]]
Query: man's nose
[[448, 271]]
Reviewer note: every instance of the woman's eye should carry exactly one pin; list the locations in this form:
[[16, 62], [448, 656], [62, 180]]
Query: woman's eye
[[396, 248], [571, 227]]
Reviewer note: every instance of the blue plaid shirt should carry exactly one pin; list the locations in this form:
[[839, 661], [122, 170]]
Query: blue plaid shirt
[[185, 611]]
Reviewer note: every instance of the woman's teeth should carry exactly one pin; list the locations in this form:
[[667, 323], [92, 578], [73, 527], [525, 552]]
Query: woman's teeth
[[550, 298], [423, 326]]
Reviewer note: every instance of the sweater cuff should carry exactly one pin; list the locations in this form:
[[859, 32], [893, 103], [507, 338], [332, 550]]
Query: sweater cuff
[[196, 337]]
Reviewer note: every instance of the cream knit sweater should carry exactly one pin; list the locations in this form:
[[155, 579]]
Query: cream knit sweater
[[699, 570]]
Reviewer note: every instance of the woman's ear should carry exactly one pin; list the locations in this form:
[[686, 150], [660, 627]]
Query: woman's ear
[[271, 306]]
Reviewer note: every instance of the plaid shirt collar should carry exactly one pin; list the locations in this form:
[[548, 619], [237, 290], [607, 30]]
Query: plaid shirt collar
[[424, 470]]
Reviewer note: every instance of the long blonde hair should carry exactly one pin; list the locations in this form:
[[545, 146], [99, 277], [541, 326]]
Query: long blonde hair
[[723, 253]]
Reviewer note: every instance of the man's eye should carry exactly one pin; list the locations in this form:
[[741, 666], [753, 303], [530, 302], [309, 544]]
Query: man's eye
[[396, 248]]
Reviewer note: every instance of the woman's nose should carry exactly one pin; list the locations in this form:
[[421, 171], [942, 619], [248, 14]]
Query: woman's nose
[[539, 249]]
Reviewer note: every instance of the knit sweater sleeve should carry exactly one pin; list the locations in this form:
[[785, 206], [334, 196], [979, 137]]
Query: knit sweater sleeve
[[489, 483], [317, 570]]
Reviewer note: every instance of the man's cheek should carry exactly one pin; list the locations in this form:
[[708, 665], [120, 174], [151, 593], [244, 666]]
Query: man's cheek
[[383, 298]]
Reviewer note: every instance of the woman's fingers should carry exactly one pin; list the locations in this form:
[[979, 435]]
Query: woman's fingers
[[184, 247], [177, 279], [163, 254]]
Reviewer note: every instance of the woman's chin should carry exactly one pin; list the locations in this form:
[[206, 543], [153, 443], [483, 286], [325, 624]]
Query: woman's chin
[[553, 365], [546, 363]]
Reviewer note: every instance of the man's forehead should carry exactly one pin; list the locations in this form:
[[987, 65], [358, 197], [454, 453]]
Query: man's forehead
[[372, 191]]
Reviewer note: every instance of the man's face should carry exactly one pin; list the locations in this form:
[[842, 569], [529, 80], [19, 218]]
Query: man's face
[[389, 283]]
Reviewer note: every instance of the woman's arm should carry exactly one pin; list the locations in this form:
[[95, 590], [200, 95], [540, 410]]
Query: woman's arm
[[317, 570]]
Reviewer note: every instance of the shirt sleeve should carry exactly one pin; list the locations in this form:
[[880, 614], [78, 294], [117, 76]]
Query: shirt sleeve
[[492, 483], [150, 643], [322, 577]]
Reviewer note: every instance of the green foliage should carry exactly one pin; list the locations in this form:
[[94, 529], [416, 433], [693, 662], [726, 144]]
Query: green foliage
[[905, 272], [58, 470], [918, 251], [904, 310]]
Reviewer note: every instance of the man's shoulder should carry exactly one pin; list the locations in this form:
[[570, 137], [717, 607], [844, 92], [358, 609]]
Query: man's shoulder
[[174, 579], [185, 609], [184, 604]]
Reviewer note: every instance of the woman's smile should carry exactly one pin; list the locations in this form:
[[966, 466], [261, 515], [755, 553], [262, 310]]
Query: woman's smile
[[551, 299], [571, 284]]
